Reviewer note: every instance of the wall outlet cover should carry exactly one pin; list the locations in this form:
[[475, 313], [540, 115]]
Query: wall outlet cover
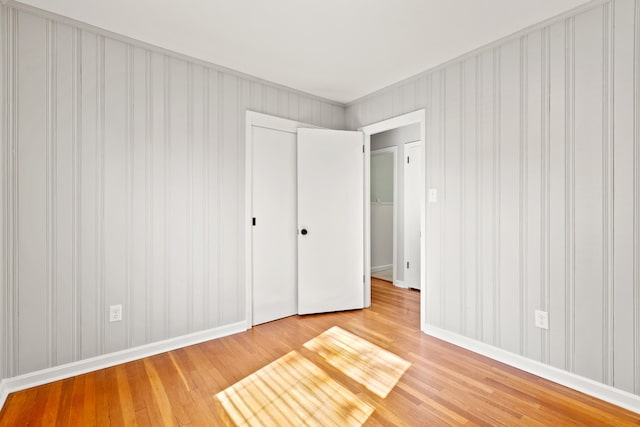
[[541, 319], [115, 313]]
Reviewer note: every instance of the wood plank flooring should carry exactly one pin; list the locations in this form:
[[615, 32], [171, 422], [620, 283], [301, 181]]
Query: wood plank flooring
[[444, 385]]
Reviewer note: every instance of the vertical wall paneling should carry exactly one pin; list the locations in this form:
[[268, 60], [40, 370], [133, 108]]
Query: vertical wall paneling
[[636, 198], [531, 209], [88, 202], [12, 190], [121, 183], [76, 124], [148, 215], [623, 189], [462, 226], [178, 197], [545, 191], [487, 203], [63, 179], [100, 192], [128, 205], [4, 168], [523, 192], [32, 198], [221, 203], [508, 187], [114, 190], [608, 163], [533, 286], [139, 194], [539, 216], [51, 198], [478, 180], [495, 214], [558, 242], [589, 193], [569, 182], [205, 197], [229, 125], [433, 150], [157, 178]]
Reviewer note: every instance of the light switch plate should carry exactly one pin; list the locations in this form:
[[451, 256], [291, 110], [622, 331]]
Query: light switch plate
[[433, 195]]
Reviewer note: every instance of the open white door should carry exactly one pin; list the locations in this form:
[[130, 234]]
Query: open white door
[[330, 220]]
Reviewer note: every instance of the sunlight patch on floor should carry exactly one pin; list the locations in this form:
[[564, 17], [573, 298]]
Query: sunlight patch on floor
[[292, 391], [375, 368]]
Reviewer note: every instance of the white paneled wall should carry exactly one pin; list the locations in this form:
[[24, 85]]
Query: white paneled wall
[[534, 145], [122, 181]]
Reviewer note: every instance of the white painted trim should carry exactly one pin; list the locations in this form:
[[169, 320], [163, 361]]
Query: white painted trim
[[32, 379], [585, 385], [394, 151], [252, 119], [381, 268], [400, 284], [418, 116]]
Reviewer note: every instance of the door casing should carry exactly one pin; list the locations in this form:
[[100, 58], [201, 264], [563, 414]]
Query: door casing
[[259, 119], [418, 116]]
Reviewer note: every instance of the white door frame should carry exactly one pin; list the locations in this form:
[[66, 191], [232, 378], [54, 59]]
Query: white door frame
[[394, 152], [418, 116], [270, 122]]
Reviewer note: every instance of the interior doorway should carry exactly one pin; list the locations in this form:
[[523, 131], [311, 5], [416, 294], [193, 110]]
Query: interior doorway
[[395, 205], [384, 213], [405, 133]]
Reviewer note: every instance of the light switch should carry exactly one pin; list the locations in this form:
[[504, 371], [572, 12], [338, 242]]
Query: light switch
[[433, 195]]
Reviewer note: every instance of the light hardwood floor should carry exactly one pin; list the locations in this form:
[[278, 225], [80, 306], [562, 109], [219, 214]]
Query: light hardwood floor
[[444, 385]]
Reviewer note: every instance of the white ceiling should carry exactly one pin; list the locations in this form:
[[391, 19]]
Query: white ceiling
[[337, 49]]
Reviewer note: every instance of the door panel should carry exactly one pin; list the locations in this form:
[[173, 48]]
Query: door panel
[[330, 221], [412, 190], [275, 291]]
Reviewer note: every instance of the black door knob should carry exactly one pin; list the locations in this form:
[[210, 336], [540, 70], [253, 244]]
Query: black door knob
[[304, 231]]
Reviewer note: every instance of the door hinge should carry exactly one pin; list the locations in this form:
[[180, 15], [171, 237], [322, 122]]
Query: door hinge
[[407, 264], [254, 221], [363, 148], [407, 159]]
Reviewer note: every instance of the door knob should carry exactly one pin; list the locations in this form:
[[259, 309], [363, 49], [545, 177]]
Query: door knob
[[304, 231]]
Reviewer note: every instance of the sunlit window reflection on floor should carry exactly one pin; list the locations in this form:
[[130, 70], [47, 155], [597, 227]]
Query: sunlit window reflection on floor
[[373, 367], [292, 391]]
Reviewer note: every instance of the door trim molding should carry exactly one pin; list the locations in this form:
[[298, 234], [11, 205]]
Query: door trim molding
[[418, 116], [256, 119]]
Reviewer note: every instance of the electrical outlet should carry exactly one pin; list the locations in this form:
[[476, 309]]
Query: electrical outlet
[[542, 319], [115, 313]]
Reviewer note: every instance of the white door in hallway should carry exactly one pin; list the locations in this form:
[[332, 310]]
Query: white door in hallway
[[330, 220], [412, 191]]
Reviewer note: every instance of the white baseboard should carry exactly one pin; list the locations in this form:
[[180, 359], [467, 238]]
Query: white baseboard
[[399, 284], [585, 385], [381, 268], [32, 379]]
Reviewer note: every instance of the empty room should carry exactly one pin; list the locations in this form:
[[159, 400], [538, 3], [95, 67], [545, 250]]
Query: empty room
[[296, 212]]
